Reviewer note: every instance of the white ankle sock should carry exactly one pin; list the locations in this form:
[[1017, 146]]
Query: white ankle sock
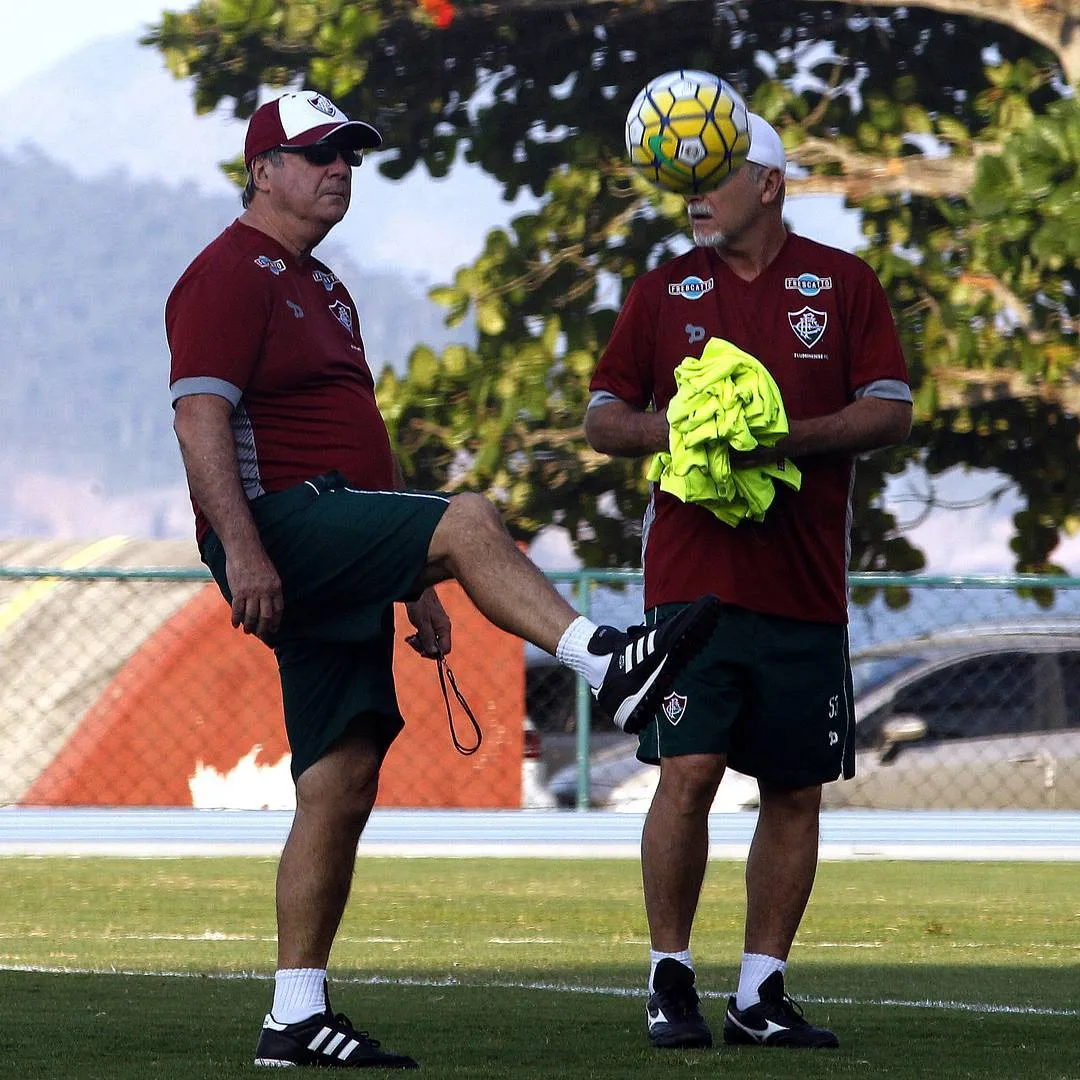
[[683, 956], [756, 968], [298, 994], [573, 651]]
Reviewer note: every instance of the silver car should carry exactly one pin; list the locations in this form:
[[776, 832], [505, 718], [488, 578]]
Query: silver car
[[983, 717], [978, 717]]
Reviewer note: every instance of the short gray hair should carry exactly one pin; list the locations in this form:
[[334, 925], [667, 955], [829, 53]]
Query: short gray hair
[[274, 157]]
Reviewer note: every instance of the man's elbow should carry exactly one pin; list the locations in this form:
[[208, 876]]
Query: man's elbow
[[903, 423], [594, 434]]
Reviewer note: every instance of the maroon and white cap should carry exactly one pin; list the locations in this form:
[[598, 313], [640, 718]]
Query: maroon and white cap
[[304, 118]]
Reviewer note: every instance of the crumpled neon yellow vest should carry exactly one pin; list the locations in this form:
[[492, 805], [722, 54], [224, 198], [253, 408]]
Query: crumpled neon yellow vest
[[726, 400]]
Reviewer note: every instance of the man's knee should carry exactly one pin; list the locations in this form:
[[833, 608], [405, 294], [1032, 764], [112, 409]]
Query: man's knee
[[792, 802], [342, 784], [470, 511], [468, 518], [689, 782]]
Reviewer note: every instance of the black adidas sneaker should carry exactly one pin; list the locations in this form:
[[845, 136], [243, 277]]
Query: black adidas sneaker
[[775, 1020], [674, 1019], [645, 661], [327, 1040]]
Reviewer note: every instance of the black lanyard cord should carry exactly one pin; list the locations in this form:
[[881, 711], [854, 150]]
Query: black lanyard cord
[[446, 675]]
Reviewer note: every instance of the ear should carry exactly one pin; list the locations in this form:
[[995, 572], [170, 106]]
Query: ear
[[261, 169], [773, 191]]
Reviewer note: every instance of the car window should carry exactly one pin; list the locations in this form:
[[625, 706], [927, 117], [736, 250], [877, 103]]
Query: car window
[[971, 698], [869, 672], [1070, 676]]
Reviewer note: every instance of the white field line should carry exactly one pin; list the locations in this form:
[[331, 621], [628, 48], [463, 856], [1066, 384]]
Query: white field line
[[222, 936], [556, 988], [960, 851]]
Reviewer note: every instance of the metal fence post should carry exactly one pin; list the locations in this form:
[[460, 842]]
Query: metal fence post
[[583, 598]]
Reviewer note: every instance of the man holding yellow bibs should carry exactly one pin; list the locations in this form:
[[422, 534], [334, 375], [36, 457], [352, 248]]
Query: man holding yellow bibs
[[770, 694]]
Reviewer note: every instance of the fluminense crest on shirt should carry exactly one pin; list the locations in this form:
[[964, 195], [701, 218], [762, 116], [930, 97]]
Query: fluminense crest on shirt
[[343, 313], [808, 325], [326, 280], [808, 284], [691, 287], [673, 707], [275, 266]]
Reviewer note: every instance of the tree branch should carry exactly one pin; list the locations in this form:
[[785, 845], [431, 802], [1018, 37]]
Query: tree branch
[[1052, 23], [957, 387], [866, 174]]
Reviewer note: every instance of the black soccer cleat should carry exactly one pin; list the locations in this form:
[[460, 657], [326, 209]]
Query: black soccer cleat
[[775, 1020], [645, 661], [326, 1040], [674, 1019]]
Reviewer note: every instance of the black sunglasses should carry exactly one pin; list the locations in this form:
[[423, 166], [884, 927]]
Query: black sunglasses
[[323, 154]]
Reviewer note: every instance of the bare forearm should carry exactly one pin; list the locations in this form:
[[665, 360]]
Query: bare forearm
[[867, 424], [623, 431]]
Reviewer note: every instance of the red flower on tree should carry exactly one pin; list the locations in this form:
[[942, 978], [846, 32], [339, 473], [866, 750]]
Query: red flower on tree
[[441, 12]]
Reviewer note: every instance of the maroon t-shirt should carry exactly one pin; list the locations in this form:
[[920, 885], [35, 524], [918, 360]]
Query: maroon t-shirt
[[818, 319], [281, 340]]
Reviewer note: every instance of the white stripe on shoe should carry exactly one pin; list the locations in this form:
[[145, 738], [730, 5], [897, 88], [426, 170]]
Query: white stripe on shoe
[[320, 1039]]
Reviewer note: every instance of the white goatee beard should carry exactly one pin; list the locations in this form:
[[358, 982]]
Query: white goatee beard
[[706, 236]]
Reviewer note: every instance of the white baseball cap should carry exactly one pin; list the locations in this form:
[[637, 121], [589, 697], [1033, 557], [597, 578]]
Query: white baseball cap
[[304, 118], [765, 146]]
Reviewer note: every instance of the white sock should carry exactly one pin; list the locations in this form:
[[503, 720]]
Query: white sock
[[756, 968], [298, 994], [573, 651], [683, 956]]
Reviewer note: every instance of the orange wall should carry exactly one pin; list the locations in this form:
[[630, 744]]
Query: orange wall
[[165, 711]]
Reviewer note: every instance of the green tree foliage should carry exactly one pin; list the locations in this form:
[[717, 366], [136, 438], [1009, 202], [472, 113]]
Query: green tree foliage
[[946, 122]]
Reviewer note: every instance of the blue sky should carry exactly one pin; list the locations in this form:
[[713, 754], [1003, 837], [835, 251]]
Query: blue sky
[[34, 36]]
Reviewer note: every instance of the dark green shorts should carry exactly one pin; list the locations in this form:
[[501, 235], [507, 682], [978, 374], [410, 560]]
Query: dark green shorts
[[344, 557], [772, 694]]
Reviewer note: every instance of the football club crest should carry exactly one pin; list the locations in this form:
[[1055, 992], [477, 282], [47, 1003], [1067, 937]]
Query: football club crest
[[275, 266], [808, 325], [323, 104], [691, 287], [673, 707], [327, 281], [343, 313]]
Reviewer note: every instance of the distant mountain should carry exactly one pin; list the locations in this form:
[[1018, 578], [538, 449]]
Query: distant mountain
[[114, 106], [83, 397]]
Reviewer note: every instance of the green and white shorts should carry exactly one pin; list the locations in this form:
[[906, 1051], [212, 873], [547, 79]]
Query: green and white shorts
[[344, 557], [772, 694]]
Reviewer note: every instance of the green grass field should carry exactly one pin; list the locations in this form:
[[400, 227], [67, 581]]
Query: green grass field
[[116, 969]]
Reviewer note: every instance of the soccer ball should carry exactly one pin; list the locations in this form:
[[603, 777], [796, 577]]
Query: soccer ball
[[687, 131]]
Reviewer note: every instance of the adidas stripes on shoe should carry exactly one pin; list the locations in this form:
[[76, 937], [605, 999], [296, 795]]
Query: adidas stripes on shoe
[[645, 660], [326, 1040]]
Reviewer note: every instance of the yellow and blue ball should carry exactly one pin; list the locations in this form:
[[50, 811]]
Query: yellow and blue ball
[[687, 131]]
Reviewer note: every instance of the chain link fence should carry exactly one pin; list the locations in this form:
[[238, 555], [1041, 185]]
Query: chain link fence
[[127, 686]]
